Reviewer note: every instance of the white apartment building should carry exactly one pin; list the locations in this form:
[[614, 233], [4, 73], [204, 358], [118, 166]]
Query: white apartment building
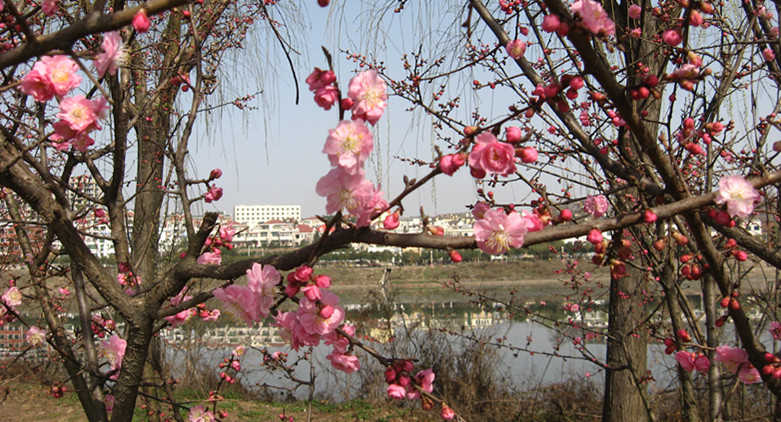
[[255, 214]]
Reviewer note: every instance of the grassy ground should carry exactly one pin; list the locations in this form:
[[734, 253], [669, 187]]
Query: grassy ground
[[32, 402]]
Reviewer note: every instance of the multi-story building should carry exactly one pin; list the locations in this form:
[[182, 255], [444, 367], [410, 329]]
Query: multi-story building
[[255, 214]]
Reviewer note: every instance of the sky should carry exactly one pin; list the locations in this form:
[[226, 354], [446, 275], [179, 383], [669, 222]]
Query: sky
[[274, 156]]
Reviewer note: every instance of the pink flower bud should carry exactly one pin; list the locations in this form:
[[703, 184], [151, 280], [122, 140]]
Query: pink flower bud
[[455, 256], [326, 311], [594, 237], [528, 155], [635, 11], [672, 37], [649, 216], [566, 215], [215, 174], [551, 23], [390, 374], [323, 281], [141, 21], [514, 134], [346, 104], [683, 335], [391, 221]]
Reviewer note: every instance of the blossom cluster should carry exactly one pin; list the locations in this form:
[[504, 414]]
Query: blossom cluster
[[213, 254], [56, 76], [252, 302], [349, 145]]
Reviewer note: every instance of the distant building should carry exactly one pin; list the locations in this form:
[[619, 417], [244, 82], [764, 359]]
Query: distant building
[[255, 214]]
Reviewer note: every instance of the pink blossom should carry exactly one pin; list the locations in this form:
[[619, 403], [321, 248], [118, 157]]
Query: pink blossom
[[61, 71], [513, 134], [391, 222], [346, 363], [212, 315], [497, 231], [35, 336], [141, 21], [374, 205], [447, 413], [738, 194], [213, 194], [748, 374], [636, 33], [200, 414], [732, 357], [78, 112], [113, 350], [528, 155], [241, 302], [12, 297], [492, 156], [227, 232], [340, 342], [593, 17], [293, 332], [596, 205], [451, 162], [183, 316], [775, 330], [263, 281], [634, 11], [320, 319], [320, 78], [344, 190], [533, 222], [396, 392], [672, 37], [367, 90], [49, 7], [37, 83], [516, 49], [701, 363], [686, 360], [424, 379], [114, 54], [349, 145], [594, 237], [768, 54], [326, 96], [478, 211], [215, 174], [551, 23], [210, 258]]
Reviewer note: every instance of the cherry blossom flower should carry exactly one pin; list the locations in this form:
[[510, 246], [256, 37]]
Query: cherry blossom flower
[[516, 49], [213, 194], [183, 316], [320, 319], [240, 302], [263, 281], [596, 205], [424, 379], [113, 350], [200, 414], [340, 342], [685, 359], [478, 211], [326, 96], [594, 236], [701, 363], [748, 374], [451, 162], [528, 155], [551, 23], [12, 297], [447, 413], [497, 231], [78, 112], [672, 37], [344, 190], [732, 357], [320, 78], [594, 18], [738, 194], [391, 222], [346, 363], [37, 83], [35, 336], [290, 330], [114, 54], [634, 11], [492, 156], [210, 258], [349, 145], [374, 205], [367, 90], [61, 71], [396, 392]]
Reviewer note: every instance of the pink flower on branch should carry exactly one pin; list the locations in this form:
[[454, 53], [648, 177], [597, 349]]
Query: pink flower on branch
[[320, 78], [492, 156], [593, 18], [61, 71], [345, 190], [738, 194], [35, 336], [113, 351], [516, 49], [349, 145], [263, 281], [596, 205], [367, 90], [497, 231], [346, 363], [80, 113], [320, 319], [114, 54], [240, 302]]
